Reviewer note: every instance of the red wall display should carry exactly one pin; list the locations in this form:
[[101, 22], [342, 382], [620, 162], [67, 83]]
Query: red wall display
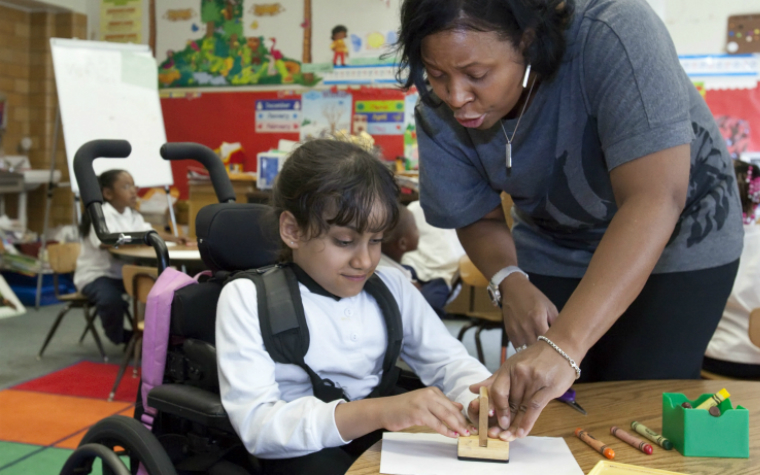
[[210, 118], [738, 114]]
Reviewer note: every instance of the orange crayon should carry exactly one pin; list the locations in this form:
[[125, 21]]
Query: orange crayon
[[595, 444], [634, 442]]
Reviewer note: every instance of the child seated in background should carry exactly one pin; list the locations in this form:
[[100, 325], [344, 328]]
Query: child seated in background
[[335, 202], [404, 238], [98, 273], [730, 352]]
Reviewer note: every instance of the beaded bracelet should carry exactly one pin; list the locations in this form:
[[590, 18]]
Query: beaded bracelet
[[564, 355]]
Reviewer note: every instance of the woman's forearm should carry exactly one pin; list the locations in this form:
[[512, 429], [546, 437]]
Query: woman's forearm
[[488, 243], [618, 271]]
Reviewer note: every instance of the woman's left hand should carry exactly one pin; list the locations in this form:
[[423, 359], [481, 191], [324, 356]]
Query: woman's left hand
[[523, 386]]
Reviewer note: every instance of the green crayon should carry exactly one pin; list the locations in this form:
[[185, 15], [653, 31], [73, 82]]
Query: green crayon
[[652, 435]]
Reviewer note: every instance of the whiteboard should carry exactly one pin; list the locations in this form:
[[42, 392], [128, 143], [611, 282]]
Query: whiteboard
[[110, 91]]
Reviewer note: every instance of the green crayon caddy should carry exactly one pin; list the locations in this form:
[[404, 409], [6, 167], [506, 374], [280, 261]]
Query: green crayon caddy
[[696, 433]]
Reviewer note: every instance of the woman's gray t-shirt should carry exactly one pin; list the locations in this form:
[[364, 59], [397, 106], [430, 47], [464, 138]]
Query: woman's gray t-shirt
[[620, 94]]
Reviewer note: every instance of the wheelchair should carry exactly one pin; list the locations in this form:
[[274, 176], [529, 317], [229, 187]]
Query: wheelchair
[[191, 432]]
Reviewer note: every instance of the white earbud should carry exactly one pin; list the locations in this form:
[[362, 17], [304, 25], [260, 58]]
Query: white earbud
[[525, 78]]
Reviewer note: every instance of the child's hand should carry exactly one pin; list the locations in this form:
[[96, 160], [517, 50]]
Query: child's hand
[[473, 412], [425, 407]]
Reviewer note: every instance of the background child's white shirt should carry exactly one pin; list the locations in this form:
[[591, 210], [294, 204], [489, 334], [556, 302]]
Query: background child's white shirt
[[94, 262], [386, 261], [271, 405], [730, 342], [438, 251]]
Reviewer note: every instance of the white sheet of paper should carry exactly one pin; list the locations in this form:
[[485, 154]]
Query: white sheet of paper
[[184, 254], [434, 454]]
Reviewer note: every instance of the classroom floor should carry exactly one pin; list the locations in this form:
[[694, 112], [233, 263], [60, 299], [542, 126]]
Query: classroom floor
[[47, 406]]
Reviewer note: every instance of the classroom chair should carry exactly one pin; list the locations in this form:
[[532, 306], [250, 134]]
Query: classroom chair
[[63, 260], [138, 280], [481, 320]]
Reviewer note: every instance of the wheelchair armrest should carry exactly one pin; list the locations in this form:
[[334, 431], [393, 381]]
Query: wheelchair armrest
[[191, 403]]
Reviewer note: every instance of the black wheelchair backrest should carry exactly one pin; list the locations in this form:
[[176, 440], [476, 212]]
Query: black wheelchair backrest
[[234, 237], [231, 237]]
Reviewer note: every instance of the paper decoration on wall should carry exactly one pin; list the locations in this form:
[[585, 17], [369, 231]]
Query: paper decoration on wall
[[372, 45], [225, 57], [121, 21], [384, 117], [266, 9], [735, 132], [180, 14], [325, 112], [338, 45], [254, 25], [743, 34], [278, 116]]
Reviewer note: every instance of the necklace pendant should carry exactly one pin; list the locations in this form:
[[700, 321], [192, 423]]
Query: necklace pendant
[[509, 156]]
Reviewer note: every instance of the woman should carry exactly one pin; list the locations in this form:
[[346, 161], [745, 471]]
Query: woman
[[627, 217]]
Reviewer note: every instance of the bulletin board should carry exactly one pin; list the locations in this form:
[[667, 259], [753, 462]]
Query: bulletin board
[[211, 118]]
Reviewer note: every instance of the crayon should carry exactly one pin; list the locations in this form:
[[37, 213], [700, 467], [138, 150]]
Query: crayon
[[595, 444], [714, 411], [634, 442], [652, 435], [715, 399]]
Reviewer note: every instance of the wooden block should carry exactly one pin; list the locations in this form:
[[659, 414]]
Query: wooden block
[[480, 447], [468, 448]]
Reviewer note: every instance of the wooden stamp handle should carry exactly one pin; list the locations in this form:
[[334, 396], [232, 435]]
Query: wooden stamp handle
[[483, 418]]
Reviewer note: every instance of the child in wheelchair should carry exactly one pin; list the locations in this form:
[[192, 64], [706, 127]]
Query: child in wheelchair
[[335, 203]]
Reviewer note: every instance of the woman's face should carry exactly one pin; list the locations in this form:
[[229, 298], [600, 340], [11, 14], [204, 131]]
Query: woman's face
[[477, 74]]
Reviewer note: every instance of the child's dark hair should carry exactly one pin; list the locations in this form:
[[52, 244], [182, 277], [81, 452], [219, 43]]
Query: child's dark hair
[[546, 19], [338, 29], [327, 182], [105, 180]]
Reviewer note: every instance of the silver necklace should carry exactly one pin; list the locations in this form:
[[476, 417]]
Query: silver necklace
[[509, 139]]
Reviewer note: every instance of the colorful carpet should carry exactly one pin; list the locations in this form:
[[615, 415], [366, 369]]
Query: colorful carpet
[[43, 420]]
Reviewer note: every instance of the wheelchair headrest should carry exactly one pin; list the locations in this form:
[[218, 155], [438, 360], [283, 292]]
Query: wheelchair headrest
[[235, 236]]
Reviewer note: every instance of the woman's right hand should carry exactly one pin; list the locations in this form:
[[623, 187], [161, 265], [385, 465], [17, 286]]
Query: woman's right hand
[[425, 407], [527, 312]]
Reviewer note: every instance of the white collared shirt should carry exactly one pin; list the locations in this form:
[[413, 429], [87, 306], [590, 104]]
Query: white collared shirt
[[94, 262], [272, 406], [731, 339]]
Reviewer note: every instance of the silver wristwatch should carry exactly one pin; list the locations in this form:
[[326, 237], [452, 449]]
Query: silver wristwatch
[[493, 285]]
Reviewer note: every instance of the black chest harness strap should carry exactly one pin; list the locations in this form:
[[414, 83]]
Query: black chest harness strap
[[286, 334]]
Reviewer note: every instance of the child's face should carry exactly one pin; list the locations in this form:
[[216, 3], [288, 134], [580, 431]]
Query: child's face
[[123, 193], [339, 35], [340, 260]]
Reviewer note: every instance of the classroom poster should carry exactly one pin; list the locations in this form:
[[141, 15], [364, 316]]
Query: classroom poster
[[325, 112], [278, 116], [121, 21], [410, 130], [222, 43], [383, 117]]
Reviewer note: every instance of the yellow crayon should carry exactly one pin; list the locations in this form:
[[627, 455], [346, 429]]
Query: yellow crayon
[[715, 399]]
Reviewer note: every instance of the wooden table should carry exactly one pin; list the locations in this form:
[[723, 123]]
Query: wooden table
[[620, 403], [144, 255]]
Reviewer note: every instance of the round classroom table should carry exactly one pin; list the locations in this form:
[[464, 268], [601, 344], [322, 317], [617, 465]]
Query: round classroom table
[[618, 404], [145, 255]]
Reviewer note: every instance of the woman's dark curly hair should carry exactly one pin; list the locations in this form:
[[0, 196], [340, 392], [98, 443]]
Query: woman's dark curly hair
[[545, 19], [328, 182]]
